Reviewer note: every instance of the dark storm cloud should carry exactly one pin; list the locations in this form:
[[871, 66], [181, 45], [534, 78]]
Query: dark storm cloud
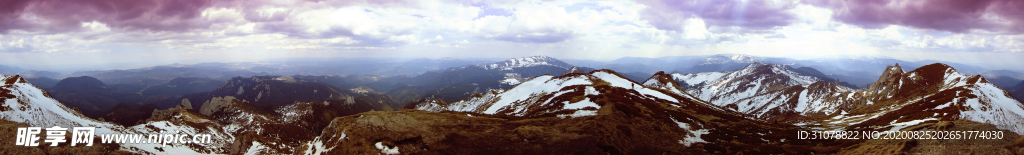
[[10, 10], [946, 15], [65, 15], [756, 14]]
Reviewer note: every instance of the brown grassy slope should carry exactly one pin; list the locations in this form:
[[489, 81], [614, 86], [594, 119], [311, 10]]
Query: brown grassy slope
[[1010, 144]]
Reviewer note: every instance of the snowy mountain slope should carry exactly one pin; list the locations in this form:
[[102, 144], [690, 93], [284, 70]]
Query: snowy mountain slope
[[526, 62], [928, 94], [693, 80], [574, 95], [746, 82], [29, 104], [570, 112], [549, 94], [667, 83], [939, 92], [24, 102], [819, 98]]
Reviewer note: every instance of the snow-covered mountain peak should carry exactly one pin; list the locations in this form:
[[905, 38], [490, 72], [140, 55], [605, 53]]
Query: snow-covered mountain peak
[[896, 69], [777, 72], [751, 80], [531, 61], [932, 88], [930, 93], [575, 94], [731, 58], [693, 80]]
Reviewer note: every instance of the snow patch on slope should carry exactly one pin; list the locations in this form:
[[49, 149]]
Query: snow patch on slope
[[385, 149]]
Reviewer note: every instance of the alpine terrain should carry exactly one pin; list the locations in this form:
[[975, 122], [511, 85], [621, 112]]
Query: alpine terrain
[[531, 105]]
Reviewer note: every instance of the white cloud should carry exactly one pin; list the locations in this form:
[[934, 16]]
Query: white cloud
[[585, 29], [695, 29]]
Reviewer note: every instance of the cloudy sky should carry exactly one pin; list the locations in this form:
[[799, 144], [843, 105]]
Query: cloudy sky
[[46, 34]]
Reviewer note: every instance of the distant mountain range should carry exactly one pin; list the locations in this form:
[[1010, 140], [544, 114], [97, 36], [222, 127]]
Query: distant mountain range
[[856, 71]]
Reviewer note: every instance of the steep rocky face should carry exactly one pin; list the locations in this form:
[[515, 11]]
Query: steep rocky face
[[889, 84], [168, 113]]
